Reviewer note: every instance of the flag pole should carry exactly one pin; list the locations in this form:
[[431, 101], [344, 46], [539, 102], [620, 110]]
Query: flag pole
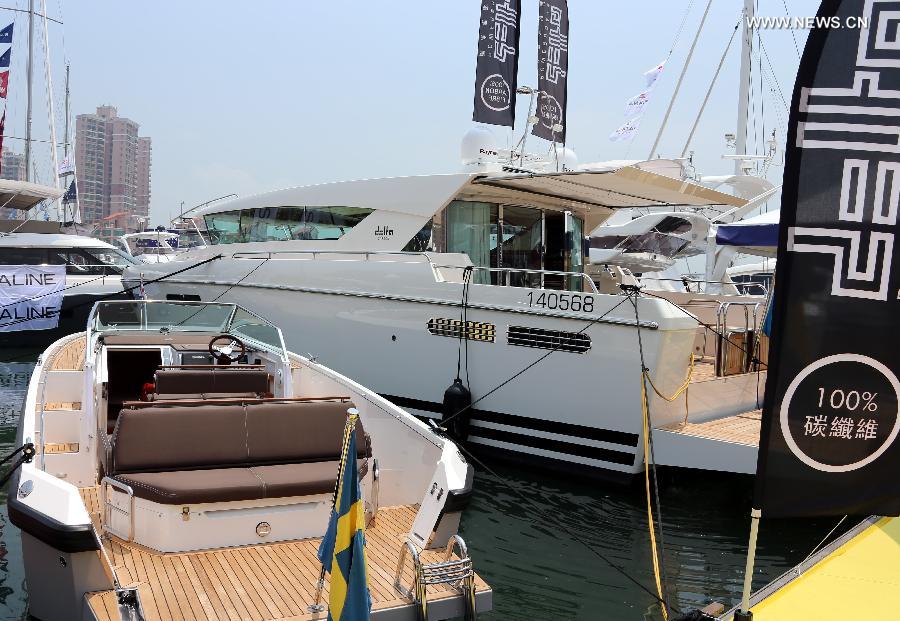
[[743, 613], [349, 427]]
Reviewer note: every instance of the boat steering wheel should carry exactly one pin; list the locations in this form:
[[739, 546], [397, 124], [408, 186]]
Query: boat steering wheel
[[223, 347]]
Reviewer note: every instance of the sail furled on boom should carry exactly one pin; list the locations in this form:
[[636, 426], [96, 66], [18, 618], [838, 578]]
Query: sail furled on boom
[[553, 70], [829, 442], [498, 62]]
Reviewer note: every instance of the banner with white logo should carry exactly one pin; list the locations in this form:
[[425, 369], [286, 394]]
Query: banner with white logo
[[31, 296], [498, 63], [829, 443], [553, 70]]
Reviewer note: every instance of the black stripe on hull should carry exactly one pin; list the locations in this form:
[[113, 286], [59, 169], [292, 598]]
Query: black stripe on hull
[[529, 441], [566, 429]]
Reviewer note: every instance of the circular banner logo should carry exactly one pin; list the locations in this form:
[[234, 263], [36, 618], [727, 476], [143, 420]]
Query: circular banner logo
[[840, 413], [549, 111], [496, 93]]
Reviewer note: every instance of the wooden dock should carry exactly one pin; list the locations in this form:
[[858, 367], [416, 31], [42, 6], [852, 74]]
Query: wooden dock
[[268, 581], [741, 428]]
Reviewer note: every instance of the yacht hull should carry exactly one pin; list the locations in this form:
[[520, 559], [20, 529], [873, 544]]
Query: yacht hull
[[558, 408]]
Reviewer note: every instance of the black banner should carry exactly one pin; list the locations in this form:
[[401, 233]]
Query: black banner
[[498, 63], [553, 69], [829, 437]]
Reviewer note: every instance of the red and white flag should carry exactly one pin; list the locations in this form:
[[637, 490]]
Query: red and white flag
[[4, 83], [635, 106], [651, 75]]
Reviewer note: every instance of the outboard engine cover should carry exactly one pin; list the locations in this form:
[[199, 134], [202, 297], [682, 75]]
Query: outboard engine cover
[[457, 397]]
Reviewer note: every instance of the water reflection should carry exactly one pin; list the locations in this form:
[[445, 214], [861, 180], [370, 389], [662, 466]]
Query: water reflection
[[537, 569]]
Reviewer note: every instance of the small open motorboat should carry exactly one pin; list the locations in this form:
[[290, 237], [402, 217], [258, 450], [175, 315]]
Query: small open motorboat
[[185, 469]]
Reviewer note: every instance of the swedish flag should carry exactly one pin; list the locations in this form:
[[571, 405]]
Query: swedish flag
[[343, 549]]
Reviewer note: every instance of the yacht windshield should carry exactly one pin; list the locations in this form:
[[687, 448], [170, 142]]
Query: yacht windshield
[[150, 316]]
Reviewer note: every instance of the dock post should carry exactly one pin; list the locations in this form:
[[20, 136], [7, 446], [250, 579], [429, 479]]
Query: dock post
[[743, 613]]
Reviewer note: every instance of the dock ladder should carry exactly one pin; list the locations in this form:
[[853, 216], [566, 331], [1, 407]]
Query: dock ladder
[[459, 573]]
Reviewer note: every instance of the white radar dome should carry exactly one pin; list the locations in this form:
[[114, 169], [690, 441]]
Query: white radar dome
[[478, 145], [567, 159]]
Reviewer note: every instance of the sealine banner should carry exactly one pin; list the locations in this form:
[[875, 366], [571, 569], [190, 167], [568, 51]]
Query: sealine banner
[[31, 296], [498, 63], [829, 442], [553, 69]]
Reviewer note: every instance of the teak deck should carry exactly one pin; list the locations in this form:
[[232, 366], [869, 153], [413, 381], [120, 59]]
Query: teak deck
[[268, 581], [741, 428]]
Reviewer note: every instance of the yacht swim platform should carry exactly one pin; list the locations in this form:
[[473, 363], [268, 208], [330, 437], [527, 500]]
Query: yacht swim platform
[[261, 582]]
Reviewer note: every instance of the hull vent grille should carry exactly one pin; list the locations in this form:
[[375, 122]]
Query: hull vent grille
[[559, 340], [473, 330]]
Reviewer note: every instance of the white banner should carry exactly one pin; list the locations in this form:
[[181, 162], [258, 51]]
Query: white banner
[[31, 296], [625, 132]]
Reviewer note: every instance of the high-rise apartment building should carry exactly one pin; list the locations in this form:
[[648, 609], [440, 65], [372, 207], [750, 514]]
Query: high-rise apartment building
[[113, 165], [12, 166]]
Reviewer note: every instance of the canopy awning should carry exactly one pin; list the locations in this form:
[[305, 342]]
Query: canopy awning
[[625, 187], [24, 195], [758, 232]]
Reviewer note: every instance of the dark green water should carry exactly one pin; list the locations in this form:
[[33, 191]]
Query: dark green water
[[537, 570]]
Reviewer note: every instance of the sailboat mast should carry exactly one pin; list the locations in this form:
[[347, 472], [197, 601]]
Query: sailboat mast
[[740, 144], [29, 71], [66, 136]]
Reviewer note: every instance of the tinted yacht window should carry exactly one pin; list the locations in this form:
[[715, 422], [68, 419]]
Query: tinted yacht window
[[282, 223], [23, 256]]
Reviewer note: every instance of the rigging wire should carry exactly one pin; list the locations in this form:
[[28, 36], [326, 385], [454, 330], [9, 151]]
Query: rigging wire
[[793, 34]]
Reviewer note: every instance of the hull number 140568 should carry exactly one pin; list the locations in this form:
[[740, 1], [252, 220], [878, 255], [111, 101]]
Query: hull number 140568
[[552, 300]]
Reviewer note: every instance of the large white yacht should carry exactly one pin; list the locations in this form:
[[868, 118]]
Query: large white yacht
[[409, 283], [185, 463]]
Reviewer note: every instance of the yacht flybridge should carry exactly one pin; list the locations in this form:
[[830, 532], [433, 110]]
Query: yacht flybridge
[[477, 276], [185, 465]]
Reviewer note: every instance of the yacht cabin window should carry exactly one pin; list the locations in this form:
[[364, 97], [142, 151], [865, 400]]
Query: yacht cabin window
[[282, 223], [78, 261]]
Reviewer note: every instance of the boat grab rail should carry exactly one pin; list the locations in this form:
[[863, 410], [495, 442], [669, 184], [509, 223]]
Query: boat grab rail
[[751, 325], [508, 271], [108, 505], [276, 254]]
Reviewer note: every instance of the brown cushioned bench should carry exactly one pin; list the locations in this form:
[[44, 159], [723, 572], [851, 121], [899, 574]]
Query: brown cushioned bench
[[218, 453], [211, 380]]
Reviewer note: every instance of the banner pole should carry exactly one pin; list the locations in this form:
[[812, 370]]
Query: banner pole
[[743, 613]]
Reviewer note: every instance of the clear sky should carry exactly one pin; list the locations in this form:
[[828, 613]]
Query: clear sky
[[247, 97]]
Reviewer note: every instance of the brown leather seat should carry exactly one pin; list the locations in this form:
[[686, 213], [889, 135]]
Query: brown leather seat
[[228, 484], [212, 380], [218, 453]]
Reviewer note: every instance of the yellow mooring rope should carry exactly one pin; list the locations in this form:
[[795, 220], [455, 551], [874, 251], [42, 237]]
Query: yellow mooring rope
[[645, 408], [646, 412], [681, 389]]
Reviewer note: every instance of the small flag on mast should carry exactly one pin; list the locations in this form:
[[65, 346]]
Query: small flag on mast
[[4, 83], [4, 58], [343, 549], [6, 34]]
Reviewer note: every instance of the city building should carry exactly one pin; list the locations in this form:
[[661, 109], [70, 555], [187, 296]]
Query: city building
[[12, 166], [113, 165]]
